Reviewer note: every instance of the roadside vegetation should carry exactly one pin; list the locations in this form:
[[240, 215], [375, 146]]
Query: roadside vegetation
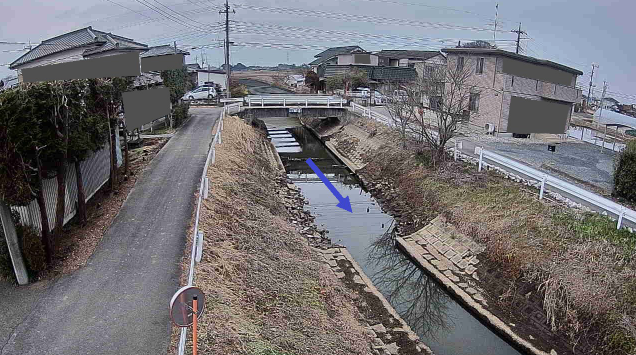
[[47, 127], [267, 291], [178, 82], [625, 173], [584, 269]]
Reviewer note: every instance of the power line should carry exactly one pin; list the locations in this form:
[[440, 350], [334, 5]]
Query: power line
[[361, 18], [167, 15]]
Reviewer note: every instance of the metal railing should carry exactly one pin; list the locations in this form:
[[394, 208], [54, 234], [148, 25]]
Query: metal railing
[[558, 185], [197, 237], [367, 112], [547, 181], [294, 101]]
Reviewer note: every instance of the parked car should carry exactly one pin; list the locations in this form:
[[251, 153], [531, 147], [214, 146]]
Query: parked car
[[200, 93]]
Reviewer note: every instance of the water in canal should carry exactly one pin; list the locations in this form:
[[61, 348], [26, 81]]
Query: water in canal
[[441, 323]]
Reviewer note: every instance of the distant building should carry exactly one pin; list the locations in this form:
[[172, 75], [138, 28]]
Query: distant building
[[205, 76], [407, 58], [330, 56], [517, 93], [8, 82], [296, 80]]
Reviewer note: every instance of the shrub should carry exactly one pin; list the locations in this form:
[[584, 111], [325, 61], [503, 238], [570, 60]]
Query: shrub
[[180, 113], [32, 248], [5, 260], [625, 173]]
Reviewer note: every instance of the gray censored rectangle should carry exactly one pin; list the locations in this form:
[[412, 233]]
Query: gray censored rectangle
[[163, 62], [141, 107], [537, 116], [537, 72], [106, 67]]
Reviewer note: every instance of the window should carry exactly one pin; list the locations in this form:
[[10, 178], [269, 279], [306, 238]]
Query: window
[[435, 102], [480, 66], [460, 63], [473, 103]]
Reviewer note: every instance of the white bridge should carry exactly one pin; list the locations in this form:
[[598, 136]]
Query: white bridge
[[294, 101]]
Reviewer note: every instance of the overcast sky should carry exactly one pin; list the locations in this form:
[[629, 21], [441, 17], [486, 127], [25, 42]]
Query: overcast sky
[[573, 33]]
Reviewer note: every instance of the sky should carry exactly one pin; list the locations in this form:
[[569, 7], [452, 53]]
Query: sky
[[269, 32]]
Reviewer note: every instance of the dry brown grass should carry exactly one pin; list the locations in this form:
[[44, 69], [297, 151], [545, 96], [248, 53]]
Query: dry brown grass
[[584, 267], [267, 291]]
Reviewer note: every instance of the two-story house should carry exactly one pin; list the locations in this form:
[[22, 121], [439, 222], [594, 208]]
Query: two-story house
[[515, 93], [76, 45], [330, 57]]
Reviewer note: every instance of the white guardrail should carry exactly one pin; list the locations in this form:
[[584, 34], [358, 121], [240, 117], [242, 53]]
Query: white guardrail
[[558, 185], [294, 101], [197, 237], [367, 112], [547, 181]]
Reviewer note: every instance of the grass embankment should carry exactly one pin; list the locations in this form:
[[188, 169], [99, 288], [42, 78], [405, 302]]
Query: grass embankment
[[266, 291], [583, 267]]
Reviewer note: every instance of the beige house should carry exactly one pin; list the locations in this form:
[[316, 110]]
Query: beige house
[[516, 93]]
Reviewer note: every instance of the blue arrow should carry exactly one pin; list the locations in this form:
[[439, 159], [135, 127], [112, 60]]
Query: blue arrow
[[343, 201]]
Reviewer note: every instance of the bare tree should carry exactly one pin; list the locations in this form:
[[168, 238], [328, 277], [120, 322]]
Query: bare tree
[[399, 105], [440, 101]]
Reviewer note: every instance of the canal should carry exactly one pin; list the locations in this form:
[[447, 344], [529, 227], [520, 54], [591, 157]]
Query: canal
[[441, 323]]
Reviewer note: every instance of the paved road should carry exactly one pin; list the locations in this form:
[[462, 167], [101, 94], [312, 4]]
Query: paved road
[[118, 303]]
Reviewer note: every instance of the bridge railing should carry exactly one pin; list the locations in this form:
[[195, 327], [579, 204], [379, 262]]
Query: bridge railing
[[294, 101]]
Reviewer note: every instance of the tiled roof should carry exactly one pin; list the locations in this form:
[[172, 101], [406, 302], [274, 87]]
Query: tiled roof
[[328, 53], [374, 73], [407, 54], [113, 42], [84, 37], [162, 50], [515, 56]]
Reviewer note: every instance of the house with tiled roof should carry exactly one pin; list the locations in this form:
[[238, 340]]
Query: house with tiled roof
[[162, 50], [330, 56], [76, 45], [408, 58]]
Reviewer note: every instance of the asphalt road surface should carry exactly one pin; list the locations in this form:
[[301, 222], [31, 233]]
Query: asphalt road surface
[[118, 302]]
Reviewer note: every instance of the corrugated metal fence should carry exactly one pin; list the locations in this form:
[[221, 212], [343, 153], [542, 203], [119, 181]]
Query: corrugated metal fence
[[95, 173]]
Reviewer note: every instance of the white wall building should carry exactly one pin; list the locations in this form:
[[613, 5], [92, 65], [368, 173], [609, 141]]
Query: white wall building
[[205, 76]]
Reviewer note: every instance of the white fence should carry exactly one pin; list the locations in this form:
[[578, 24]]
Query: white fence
[[558, 185], [197, 237], [547, 181], [95, 173], [294, 101], [367, 112]]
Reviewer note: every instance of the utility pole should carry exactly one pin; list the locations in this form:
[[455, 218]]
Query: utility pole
[[589, 92], [518, 32], [600, 112], [494, 32], [226, 11], [175, 47]]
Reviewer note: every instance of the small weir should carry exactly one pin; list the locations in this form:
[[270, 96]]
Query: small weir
[[441, 323]]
